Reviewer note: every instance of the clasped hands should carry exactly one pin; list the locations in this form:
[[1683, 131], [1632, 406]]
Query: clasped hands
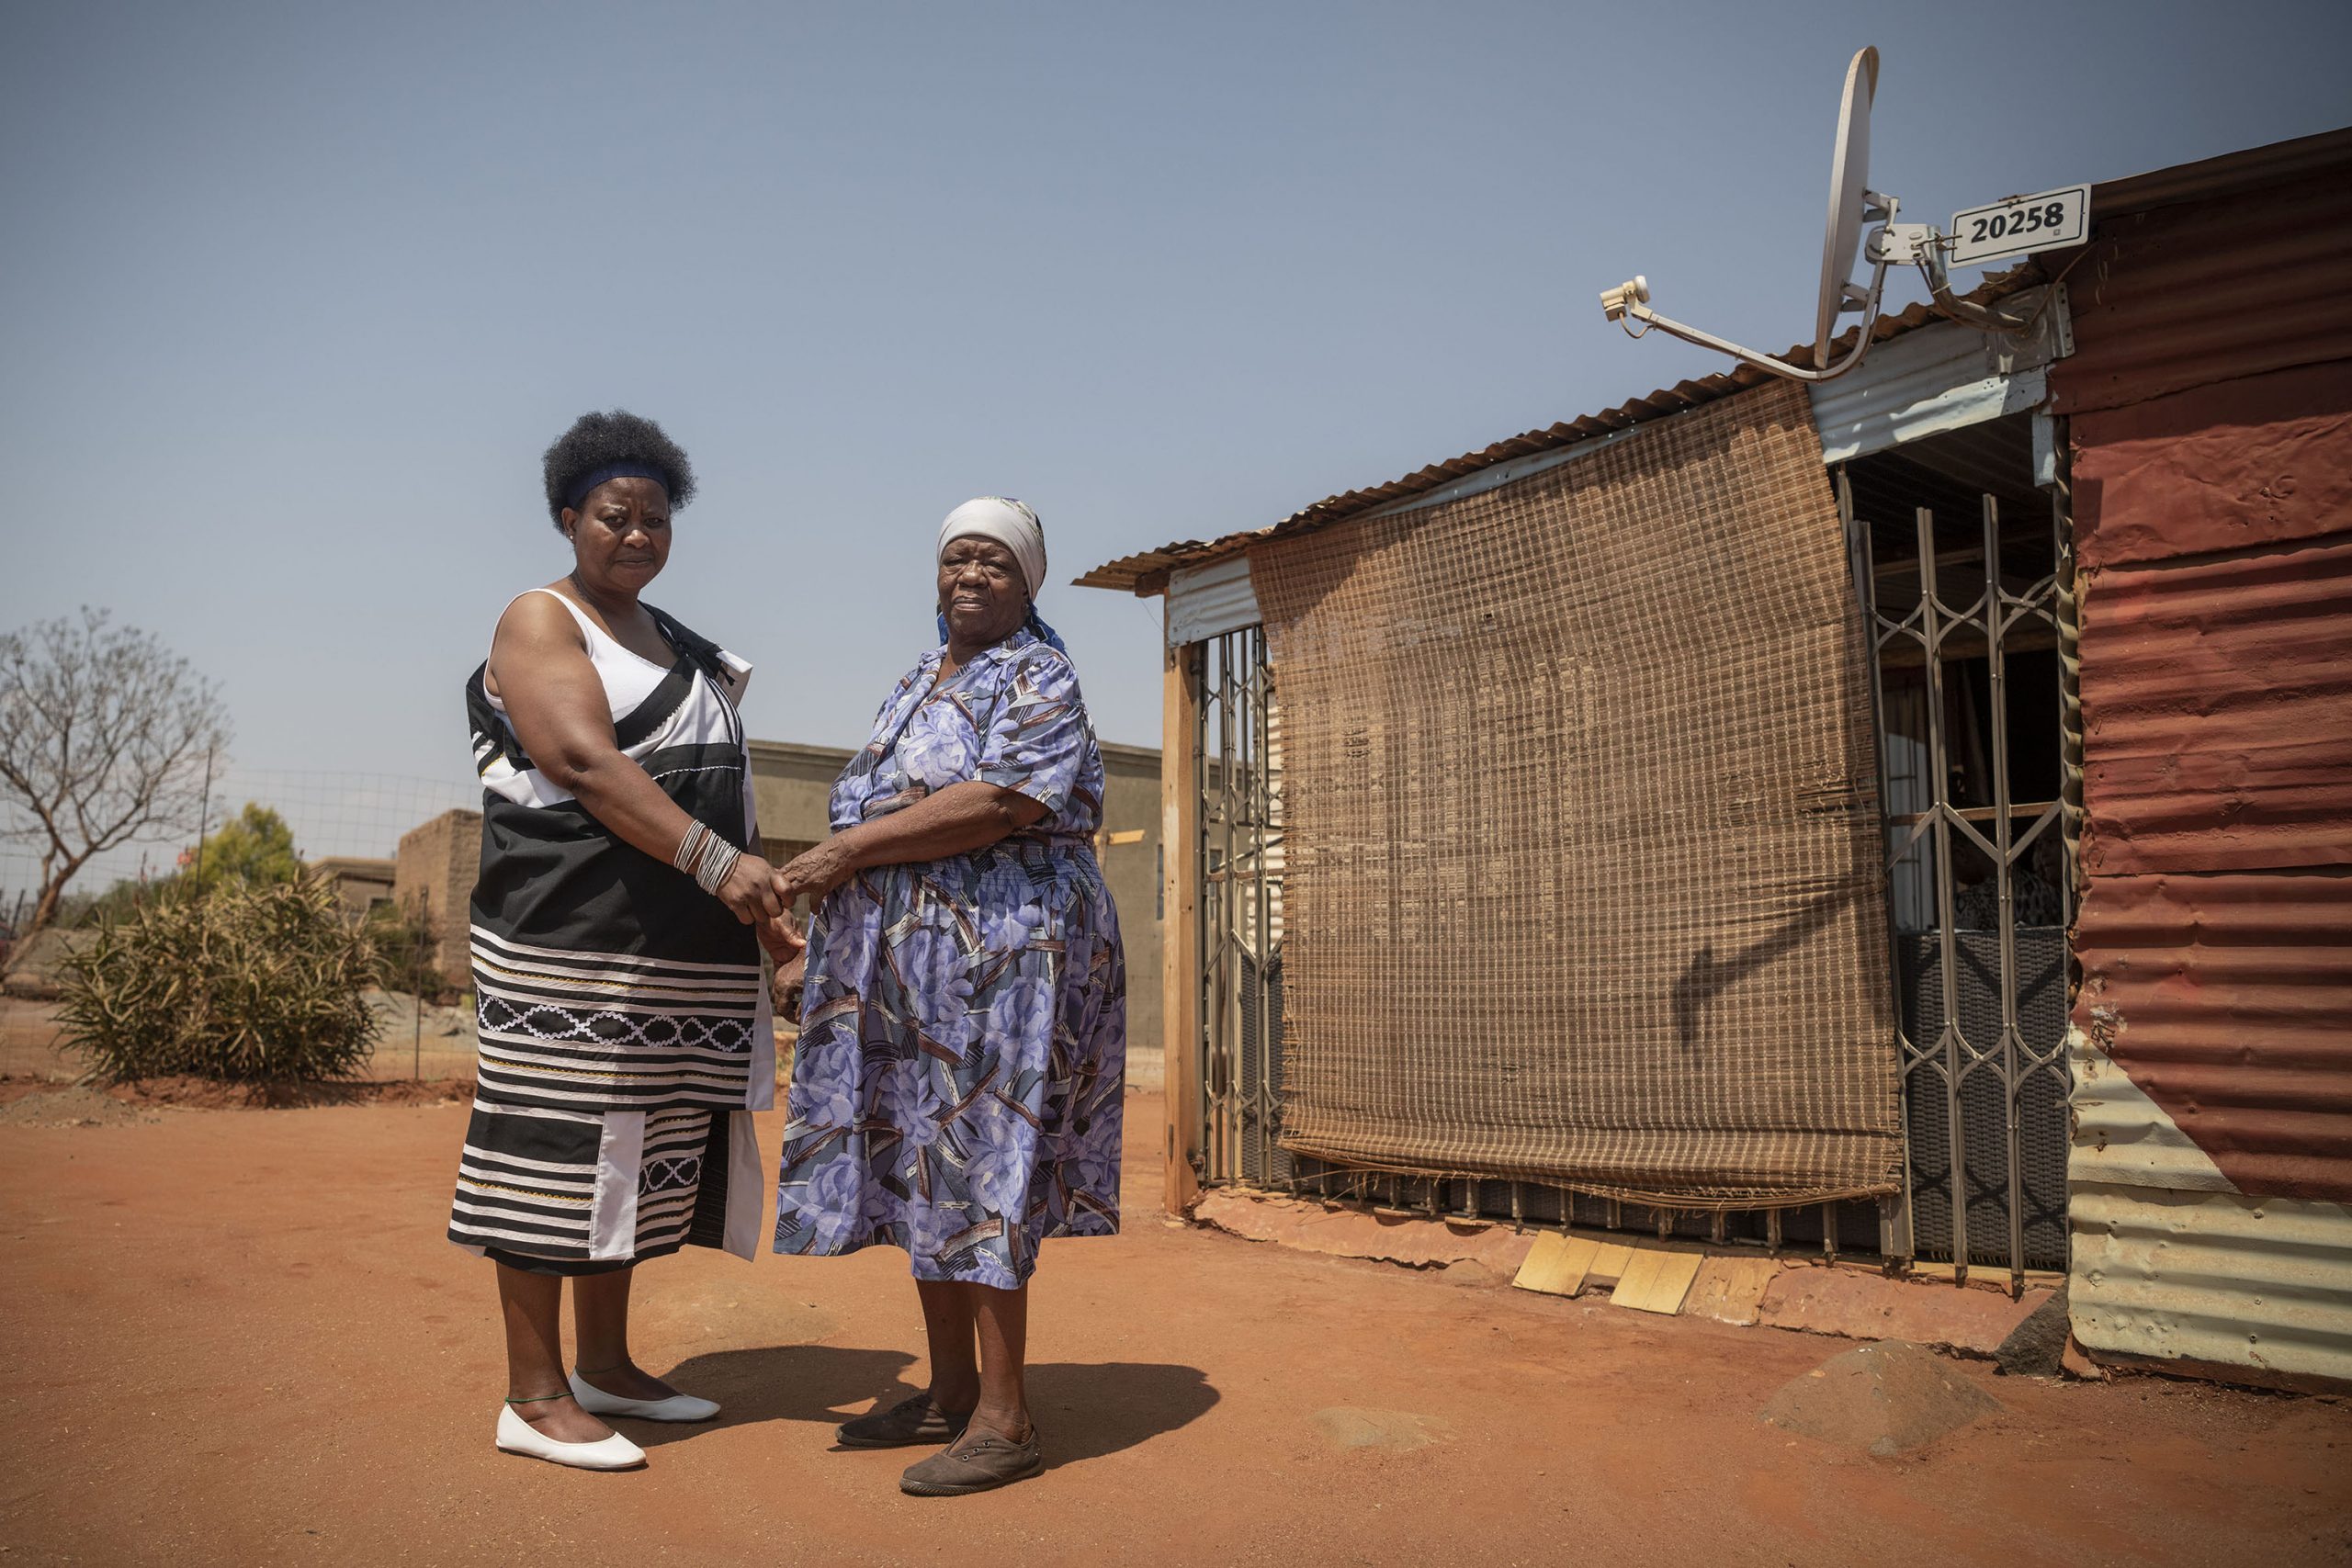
[[763, 897]]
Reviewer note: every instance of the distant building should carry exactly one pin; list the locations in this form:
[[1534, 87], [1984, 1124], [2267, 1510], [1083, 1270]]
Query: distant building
[[434, 876], [791, 785], [1129, 851], [364, 885]]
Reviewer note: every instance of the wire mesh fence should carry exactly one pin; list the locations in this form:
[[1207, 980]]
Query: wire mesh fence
[[332, 814]]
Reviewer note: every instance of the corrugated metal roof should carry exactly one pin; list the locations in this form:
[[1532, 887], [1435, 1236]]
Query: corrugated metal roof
[[2184, 296], [2252, 169], [1146, 571]]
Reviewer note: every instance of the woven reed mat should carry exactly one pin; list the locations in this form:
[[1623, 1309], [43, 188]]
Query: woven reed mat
[[1584, 839]]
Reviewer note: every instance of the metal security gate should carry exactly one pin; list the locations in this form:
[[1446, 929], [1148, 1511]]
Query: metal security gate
[[1971, 648], [1240, 870]]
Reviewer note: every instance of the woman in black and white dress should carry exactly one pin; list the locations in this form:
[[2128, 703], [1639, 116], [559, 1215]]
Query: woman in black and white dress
[[625, 1027]]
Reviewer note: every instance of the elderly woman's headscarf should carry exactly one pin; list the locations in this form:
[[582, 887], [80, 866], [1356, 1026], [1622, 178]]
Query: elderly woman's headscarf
[[1013, 526]]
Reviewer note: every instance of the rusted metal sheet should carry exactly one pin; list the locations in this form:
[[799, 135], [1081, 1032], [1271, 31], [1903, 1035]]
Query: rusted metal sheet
[[2211, 425], [2260, 461], [2217, 711], [2172, 1264], [2227, 1000], [2185, 295], [2325, 155], [2120, 1137]]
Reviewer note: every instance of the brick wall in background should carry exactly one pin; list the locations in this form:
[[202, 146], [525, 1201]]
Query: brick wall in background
[[434, 873]]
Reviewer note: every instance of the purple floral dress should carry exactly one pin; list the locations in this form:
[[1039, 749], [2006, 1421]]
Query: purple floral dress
[[964, 1026]]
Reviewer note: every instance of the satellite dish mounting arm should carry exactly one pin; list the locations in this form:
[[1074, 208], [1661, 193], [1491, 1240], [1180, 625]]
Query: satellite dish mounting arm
[[1852, 204], [1930, 255], [1629, 302], [1891, 244]]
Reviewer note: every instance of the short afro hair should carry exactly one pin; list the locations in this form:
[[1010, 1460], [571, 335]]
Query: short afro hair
[[604, 440]]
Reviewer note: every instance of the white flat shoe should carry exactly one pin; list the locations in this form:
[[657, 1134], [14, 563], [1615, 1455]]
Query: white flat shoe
[[677, 1408], [516, 1435]]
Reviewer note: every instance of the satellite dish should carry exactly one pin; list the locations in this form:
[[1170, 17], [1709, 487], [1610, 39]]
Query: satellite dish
[[1849, 170], [1851, 204], [2053, 218]]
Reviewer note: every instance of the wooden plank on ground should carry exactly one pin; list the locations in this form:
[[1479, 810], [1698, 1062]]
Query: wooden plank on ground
[[1729, 1289], [1556, 1264], [1635, 1280], [1656, 1280]]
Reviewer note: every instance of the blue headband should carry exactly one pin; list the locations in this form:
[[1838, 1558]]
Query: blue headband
[[588, 483]]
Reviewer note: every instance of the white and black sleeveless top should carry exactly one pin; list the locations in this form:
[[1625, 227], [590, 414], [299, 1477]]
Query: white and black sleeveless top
[[605, 979]]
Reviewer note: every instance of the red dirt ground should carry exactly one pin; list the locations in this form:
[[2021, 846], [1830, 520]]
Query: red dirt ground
[[235, 1337]]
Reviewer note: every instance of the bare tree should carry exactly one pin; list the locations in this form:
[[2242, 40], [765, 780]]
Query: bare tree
[[106, 736]]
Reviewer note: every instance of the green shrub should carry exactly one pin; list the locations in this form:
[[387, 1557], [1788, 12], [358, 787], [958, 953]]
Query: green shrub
[[247, 982]]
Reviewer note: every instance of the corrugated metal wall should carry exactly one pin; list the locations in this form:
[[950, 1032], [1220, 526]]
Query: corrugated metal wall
[[1209, 601], [2212, 402], [2208, 291], [2225, 998]]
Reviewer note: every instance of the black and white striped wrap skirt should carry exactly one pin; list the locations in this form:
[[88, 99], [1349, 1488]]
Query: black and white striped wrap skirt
[[571, 1191]]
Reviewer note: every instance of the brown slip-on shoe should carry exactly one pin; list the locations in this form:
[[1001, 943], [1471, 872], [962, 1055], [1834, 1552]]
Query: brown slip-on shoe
[[978, 1461], [911, 1423]]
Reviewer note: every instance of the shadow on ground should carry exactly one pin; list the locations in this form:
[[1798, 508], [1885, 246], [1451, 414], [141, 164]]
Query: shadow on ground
[[1084, 1410]]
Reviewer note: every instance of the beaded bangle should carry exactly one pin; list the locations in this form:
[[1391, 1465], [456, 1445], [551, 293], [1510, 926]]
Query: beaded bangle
[[690, 846], [717, 858], [704, 856]]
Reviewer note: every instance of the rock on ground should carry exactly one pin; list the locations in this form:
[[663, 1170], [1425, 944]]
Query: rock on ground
[[2036, 1346]]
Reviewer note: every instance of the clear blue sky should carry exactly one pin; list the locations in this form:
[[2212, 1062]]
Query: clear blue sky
[[295, 295]]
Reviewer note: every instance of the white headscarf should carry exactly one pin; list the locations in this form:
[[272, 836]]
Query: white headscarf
[[1010, 524]]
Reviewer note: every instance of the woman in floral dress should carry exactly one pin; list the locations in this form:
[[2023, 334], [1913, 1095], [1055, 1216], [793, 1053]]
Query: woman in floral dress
[[956, 1087]]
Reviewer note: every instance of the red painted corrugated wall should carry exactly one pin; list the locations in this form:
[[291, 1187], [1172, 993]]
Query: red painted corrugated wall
[[2211, 403], [2208, 291]]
